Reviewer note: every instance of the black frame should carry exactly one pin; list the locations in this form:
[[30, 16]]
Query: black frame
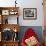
[[29, 13]]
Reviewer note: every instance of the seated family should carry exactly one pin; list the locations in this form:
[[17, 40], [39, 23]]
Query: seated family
[[30, 38]]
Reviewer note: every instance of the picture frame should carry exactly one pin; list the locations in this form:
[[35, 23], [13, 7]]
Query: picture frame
[[29, 13], [5, 12]]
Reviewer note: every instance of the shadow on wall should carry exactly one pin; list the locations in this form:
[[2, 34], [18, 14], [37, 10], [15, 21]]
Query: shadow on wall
[[37, 29]]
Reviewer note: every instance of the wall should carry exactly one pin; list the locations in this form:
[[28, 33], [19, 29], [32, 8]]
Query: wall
[[31, 4], [27, 4]]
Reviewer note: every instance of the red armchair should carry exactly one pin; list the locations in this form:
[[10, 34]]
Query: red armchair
[[29, 36]]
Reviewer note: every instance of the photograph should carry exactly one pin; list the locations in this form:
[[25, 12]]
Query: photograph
[[29, 13]]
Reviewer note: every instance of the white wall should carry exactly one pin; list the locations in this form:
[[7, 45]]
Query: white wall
[[31, 4], [27, 4]]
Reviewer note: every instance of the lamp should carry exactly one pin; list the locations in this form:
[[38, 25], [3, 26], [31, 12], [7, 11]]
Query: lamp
[[15, 3]]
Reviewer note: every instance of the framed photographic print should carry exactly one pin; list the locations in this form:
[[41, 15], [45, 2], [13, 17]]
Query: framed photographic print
[[29, 13], [5, 12]]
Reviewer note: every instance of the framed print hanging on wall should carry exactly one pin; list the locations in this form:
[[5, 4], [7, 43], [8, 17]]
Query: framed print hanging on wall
[[29, 13]]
